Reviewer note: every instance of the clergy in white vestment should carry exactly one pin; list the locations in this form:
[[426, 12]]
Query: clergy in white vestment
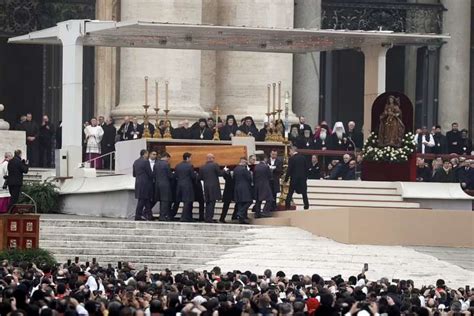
[[93, 134], [4, 168]]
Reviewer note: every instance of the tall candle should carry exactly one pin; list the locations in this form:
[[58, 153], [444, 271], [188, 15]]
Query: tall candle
[[146, 90], [268, 97], [279, 95], [274, 90], [166, 94], [156, 94]]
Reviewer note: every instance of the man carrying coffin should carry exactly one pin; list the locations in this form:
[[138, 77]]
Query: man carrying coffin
[[143, 186], [209, 173], [185, 177], [276, 167], [163, 189], [263, 192], [298, 175], [243, 196]]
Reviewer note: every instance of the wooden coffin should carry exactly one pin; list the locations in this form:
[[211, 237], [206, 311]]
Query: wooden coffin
[[225, 155]]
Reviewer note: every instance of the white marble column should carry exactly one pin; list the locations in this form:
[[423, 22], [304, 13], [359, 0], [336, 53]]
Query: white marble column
[[242, 77], [455, 65], [374, 81], [306, 67], [182, 68]]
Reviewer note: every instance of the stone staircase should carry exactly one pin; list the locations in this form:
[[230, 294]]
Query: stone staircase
[[37, 175], [173, 245]]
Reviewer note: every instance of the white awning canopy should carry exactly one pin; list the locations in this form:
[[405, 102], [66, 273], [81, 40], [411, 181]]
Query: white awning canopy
[[234, 38]]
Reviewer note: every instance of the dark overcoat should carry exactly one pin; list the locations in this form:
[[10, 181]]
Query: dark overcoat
[[16, 168], [243, 184], [209, 173], [298, 172], [185, 178], [261, 178], [276, 173], [143, 179], [229, 186], [163, 177]]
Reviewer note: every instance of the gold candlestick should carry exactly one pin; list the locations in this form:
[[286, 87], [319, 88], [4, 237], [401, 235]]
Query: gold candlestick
[[279, 100], [167, 133], [146, 130], [269, 86], [216, 132], [157, 133]]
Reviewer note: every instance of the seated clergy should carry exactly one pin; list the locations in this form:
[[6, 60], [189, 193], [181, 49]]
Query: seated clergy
[[201, 131], [248, 127], [338, 139]]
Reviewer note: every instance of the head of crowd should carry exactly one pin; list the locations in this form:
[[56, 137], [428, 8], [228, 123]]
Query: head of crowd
[[91, 289]]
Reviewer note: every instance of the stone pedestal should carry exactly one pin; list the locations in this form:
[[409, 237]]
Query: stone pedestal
[[306, 67], [182, 68], [242, 77], [454, 65]]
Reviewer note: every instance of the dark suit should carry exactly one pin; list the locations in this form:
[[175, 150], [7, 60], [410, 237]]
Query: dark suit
[[163, 188], [185, 178], [441, 144], [466, 175], [125, 131], [141, 129], [209, 173], [262, 176], [277, 168], [314, 172], [454, 142], [143, 188], [442, 176], [298, 174], [242, 190], [423, 174], [16, 168], [45, 137], [228, 196], [108, 144]]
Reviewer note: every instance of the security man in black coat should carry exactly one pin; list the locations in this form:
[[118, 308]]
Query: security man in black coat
[[185, 177], [263, 191], [276, 167], [143, 186], [298, 173], [163, 187], [16, 168], [209, 174], [228, 195], [243, 190]]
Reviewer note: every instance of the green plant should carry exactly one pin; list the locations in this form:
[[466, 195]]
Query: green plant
[[45, 194], [38, 256], [372, 152]]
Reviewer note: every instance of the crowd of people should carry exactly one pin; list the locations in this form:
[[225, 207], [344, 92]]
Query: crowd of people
[[75, 288], [254, 179]]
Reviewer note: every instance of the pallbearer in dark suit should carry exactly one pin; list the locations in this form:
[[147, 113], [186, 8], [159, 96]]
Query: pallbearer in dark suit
[[143, 186], [185, 177], [243, 190], [276, 167], [298, 175], [163, 177], [263, 191], [209, 173], [228, 195]]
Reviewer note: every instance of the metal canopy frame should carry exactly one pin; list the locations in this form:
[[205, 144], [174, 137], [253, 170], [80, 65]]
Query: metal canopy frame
[[143, 34]]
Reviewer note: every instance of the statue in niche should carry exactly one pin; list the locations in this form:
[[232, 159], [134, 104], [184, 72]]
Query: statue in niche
[[391, 127]]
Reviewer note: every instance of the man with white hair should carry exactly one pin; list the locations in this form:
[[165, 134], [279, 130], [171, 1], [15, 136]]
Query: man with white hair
[[338, 139], [356, 136]]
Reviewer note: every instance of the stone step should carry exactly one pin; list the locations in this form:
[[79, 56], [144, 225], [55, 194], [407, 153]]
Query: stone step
[[142, 239], [137, 232], [127, 224], [96, 252], [353, 197], [352, 190], [52, 243], [140, 259], [352, 203], [376, 185]]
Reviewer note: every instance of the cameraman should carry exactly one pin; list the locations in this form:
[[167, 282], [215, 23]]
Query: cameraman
[[16, 168]]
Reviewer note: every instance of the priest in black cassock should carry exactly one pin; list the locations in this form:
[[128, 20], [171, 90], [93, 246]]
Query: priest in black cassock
[[306, 140], [356, 136], [454, 139], [248, 127], [202, 131], [441, 144], [338, 139], [229, 129], [301, 125]]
